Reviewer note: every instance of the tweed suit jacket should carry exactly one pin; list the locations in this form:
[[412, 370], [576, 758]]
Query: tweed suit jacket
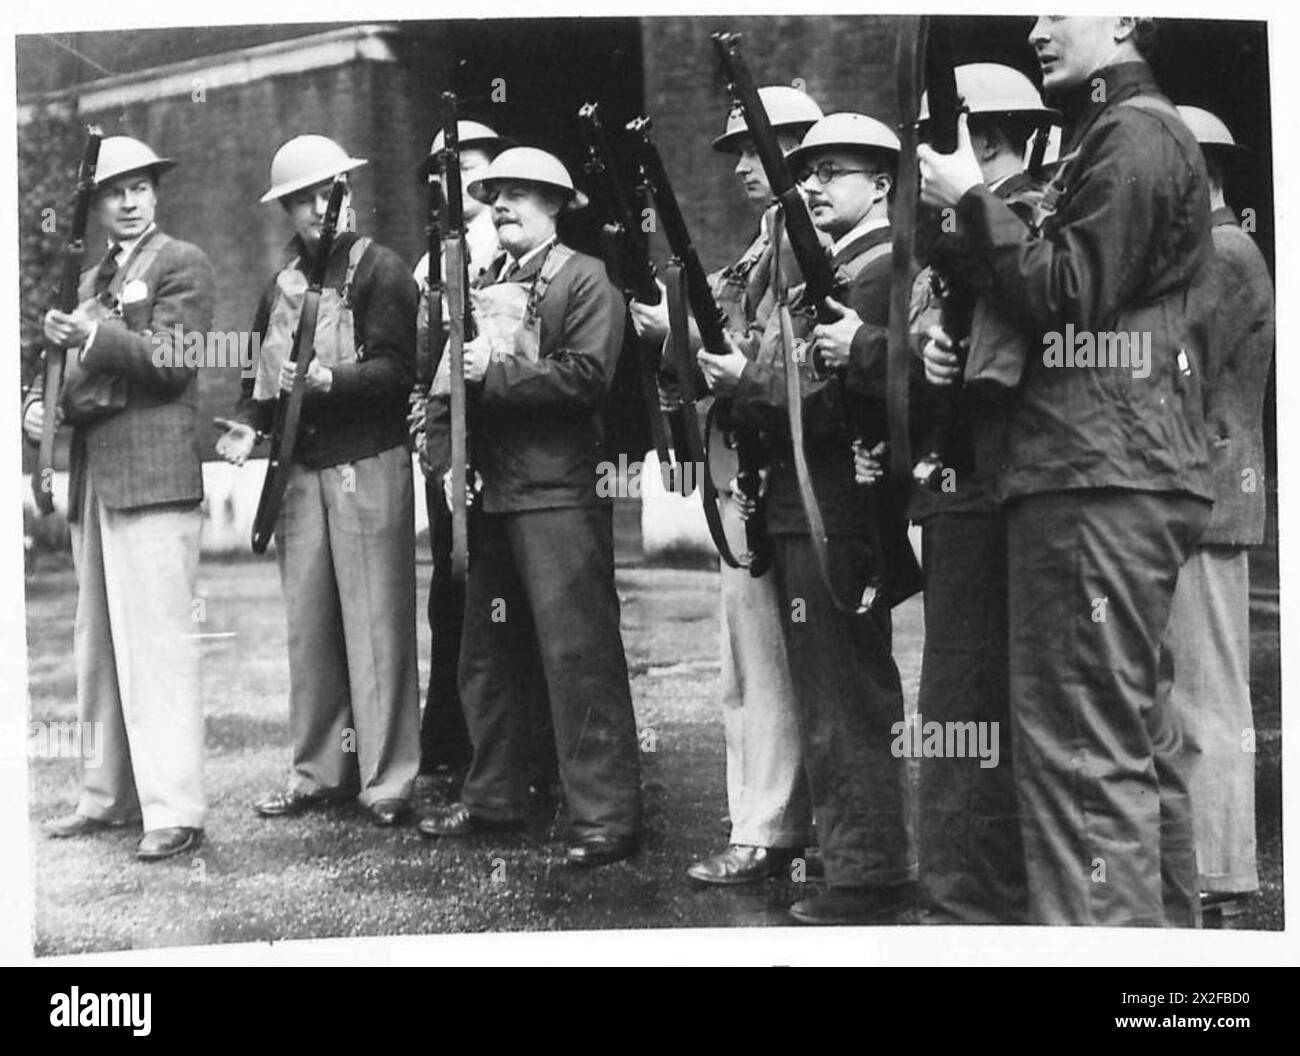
[[147, 453]]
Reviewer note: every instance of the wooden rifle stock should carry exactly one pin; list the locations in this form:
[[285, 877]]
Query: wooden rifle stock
[[288, 411], [460, 329], [708, 320], [428, 353], [74, 255]]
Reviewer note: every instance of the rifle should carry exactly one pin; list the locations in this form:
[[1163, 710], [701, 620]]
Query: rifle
[[428, 352], [956, 299], [627, 259], [820, 282], [685, 267], [460, 329], [74, 253], [284, 433]]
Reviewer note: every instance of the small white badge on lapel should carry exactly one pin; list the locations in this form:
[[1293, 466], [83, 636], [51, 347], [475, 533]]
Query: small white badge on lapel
[[134, 292]]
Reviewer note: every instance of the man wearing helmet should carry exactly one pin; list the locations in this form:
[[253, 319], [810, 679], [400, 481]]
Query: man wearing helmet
[[971, 857], [1209, 628], [134, 492], [1105, 474], [345, 536], [845, 681], [767, 790], [542, 574], [445, 750]]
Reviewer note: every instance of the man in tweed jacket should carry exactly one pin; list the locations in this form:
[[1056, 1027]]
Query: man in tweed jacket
[[134, 492]]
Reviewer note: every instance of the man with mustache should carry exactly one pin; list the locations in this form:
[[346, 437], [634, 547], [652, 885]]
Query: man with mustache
[[1105, 474], [541, 577], [845, 681]]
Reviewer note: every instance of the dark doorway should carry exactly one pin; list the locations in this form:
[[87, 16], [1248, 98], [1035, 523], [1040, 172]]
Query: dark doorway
[[526, 78]]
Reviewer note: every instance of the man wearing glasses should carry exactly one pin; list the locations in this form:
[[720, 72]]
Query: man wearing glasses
[[845, 680]]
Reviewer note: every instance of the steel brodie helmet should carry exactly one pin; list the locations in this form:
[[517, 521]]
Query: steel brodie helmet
[[306, 161], [528, 165]]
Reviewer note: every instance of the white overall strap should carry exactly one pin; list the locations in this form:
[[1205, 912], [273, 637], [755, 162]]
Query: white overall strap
[[556, 257], [355, 254]]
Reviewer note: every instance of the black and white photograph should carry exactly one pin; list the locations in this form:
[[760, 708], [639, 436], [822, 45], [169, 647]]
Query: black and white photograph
[[639, 475]]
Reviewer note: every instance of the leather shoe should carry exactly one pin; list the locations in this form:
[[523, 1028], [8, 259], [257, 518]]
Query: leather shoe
[[455, 819], [388, 812], [740, 864], [77, 825], [157, 844], [288, 802], [601, 850], [858, 905]]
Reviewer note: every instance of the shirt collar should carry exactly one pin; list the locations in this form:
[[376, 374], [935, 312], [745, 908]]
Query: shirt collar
[[127, 245], [523, 261], [1083, 103], [863, 227], [1221, 216]]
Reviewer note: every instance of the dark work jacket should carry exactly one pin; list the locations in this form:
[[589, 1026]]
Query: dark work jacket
[[1237, 301], [980, 423], [537, 433], [364, 412], [1125, 234], [835, 408]]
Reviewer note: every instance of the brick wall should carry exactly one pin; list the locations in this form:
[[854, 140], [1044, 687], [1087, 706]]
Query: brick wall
[[846, 63], [225, 144]]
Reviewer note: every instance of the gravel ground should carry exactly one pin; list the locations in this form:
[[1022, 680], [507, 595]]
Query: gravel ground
[[317, 876]]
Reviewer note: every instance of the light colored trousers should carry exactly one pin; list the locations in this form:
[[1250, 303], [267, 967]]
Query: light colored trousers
[[136, 654], [1209, 636], [345, 543], [767, 792]]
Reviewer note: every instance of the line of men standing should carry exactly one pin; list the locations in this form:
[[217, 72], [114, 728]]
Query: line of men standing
[[1057, 578]]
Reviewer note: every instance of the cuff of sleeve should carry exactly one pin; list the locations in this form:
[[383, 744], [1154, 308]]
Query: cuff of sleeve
[[748, 384], [94, 331], [345, 380]]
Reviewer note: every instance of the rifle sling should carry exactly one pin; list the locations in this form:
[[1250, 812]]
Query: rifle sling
[[679, 337], [794, 407]]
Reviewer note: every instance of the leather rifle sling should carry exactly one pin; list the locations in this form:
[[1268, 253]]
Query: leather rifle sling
[[680, 343], [794, 407]]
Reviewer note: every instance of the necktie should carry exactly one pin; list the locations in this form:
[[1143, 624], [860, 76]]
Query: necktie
[[508, 272], [107, 271]]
